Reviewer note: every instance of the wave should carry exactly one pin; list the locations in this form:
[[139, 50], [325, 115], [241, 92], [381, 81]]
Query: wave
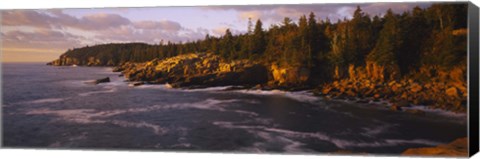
[[302, 96], [340, 143], [170, 87], [208, 104], [156, 129], [299, 96], [46, 100], [379, 127], [155, 86], [440, 112], [90, 116], [288, 145], [219, 88], [110, 90]]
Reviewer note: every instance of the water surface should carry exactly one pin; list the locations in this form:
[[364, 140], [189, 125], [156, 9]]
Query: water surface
[[46, 106]]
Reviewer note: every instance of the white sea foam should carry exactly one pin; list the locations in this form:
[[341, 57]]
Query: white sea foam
[[303, 96], [156, 129], [154, 86], [340, 143], [220, 88], [110, 90], [439, 112], [46, 100], [371, 132], [209, 104], [90, 116], [299, 96]]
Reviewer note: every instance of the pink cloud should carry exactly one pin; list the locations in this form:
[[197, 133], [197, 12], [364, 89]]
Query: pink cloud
[[164, 25]]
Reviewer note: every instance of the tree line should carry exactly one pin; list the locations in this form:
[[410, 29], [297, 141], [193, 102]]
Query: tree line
[[434, 36]]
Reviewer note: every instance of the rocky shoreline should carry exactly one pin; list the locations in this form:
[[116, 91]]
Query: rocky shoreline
[[192, 71], [442, 90], [400, 94], [208, 70]]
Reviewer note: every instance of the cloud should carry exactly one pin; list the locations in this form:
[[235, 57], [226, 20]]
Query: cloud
[[54, 28], [39, 45], [251, 14], [100, 21], [163, 25], [25, 17], [275, 13], [57, 19], [39, 35], [219, 31]]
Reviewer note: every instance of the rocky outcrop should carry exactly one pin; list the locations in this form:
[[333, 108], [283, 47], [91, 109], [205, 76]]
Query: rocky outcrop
[[457, 148], [194, 70], [430, 87], [101, 80], [288, 75], [65, 60]]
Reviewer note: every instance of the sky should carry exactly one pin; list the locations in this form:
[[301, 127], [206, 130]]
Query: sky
[[43, 35]]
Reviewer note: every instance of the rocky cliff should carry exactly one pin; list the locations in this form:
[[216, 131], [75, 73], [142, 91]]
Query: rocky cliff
[[90, 61], [430, 86], [196, 70]]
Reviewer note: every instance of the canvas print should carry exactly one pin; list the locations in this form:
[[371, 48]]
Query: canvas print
[[356, 79]]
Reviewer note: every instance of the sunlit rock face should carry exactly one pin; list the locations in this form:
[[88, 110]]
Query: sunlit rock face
[[196, 69], [289, 75], [456, 148]]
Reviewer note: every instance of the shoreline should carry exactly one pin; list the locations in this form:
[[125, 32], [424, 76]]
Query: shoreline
[[384, 104], [310, 91], [428, 85], [317, 91]]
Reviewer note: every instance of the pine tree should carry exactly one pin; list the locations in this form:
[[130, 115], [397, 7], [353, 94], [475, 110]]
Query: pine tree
[[258, 39], [227, 47], [387, 46]]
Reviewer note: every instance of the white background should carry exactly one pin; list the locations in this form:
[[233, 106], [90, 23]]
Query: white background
[[82, 154]]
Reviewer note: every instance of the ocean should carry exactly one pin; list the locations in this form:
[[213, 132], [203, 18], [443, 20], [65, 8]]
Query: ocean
[[53, 107]]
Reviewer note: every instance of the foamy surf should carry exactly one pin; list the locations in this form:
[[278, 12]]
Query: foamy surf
[[111, 90], [219, 88], [299, 96], [440, 112], [155, 86], [91, 116], [302, 96], [340, 143], [46, 100]]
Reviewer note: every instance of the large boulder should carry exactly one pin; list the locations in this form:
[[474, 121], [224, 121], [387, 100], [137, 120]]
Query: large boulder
[[289, 75], [452, 92], [415, 87]]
